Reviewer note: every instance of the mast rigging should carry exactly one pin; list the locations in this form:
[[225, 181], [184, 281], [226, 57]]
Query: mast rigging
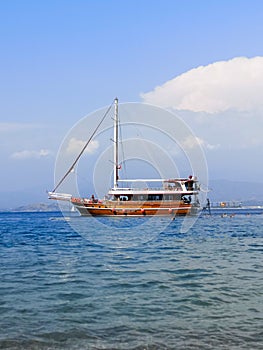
[[83, 149]]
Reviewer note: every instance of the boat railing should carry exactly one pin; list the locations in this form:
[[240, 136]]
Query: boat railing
[[147, 189]]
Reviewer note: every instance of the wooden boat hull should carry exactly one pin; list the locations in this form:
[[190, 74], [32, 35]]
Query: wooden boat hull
[[111, 208]]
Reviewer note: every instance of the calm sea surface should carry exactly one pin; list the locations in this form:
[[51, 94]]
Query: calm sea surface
[[202, 289]]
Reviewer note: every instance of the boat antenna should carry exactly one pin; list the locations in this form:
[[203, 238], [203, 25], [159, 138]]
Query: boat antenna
[[85, 146]]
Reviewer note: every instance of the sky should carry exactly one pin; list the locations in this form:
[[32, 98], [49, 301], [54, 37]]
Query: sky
[[62, 60]]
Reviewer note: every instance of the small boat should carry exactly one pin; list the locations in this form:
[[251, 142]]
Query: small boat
[[172, 197]]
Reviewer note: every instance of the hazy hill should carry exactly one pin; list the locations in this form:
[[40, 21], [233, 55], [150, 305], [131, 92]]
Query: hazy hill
[[37, 207], [225, 190], [220, 190]]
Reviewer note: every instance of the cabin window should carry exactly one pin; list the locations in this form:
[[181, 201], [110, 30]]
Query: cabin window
[[124, 198], [171, 197], [168, 197], [155, 197], [139, 197]]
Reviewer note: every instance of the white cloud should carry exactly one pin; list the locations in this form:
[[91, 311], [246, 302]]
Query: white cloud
[[193, 141], [236, 84], [75, 146], [27, 154]]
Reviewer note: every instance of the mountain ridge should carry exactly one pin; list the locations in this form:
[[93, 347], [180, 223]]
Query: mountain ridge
[[248, 193]]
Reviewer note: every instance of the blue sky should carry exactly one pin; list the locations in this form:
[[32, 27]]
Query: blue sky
[[61, 60]]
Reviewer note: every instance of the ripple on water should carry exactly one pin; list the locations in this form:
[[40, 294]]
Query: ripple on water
[[198, 290]]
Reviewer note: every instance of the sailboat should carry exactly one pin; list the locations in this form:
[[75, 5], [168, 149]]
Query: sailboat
[[175, 196]]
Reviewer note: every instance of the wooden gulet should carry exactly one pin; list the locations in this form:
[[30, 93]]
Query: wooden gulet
[[178, 196]]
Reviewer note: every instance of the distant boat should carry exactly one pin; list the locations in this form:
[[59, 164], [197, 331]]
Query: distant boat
[[175, 196]]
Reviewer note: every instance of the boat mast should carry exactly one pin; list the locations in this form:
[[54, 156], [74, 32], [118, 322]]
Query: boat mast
[[116, 141]]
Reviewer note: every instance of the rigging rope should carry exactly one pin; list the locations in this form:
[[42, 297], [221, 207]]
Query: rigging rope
[[83, 149]]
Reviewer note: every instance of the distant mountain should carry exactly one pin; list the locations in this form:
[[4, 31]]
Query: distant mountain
[[225, 190], [249, 193], [37, 207], [16, 198]]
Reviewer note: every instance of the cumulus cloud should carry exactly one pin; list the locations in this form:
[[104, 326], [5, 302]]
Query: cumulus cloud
[[27, 154], [191, 142], [236, 84], [75, 146]]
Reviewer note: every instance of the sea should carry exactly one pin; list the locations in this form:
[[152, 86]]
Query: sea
[[70, 282]]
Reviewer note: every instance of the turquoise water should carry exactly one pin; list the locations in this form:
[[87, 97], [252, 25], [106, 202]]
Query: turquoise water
[[199, 290]]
